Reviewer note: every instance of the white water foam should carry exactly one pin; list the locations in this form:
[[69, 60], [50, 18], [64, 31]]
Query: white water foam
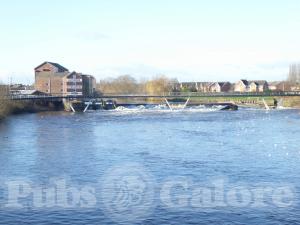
[[166, 109]]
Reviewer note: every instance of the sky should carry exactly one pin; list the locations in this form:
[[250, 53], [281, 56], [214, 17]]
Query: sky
[[192, 40]]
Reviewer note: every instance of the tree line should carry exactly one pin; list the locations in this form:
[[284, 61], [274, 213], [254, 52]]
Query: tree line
[[126, 84]]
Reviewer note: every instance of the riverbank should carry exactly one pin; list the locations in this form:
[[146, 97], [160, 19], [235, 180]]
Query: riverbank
[[4, 109], [8, 108]]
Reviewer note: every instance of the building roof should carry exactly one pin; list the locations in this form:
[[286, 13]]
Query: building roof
[[220, 83], [205, 83], [21, 87], [58, 66], [223, 83], [72, 73], [245, 82], [29, 92], [258, 82], [88, 76], [189, 84], [81, 74]]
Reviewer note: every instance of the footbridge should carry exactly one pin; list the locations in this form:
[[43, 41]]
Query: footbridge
[[109, 101], [55, 97]]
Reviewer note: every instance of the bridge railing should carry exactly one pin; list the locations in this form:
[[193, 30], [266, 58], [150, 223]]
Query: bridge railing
[[206, 94]]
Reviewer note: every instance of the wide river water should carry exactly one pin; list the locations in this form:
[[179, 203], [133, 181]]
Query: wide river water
[[151, 166]]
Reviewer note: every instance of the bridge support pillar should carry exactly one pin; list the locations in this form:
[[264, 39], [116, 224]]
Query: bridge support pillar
[[87, 106], [168, 104], [265, 104], [68, 105]]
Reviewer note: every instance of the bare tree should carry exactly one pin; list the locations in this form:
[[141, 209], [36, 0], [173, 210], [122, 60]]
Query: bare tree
[[125, 84], [294, 73], [160, 84]]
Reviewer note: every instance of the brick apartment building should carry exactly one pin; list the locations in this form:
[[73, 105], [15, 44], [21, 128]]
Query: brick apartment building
[[54, 79]]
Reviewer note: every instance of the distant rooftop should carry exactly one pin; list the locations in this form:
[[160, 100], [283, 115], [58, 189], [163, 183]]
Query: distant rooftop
[[60, 67]]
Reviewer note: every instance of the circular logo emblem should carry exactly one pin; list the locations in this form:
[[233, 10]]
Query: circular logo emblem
[[127, 193]]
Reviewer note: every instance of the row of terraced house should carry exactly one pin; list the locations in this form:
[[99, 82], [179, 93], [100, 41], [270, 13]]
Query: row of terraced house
[[54, 79], [242, 85]]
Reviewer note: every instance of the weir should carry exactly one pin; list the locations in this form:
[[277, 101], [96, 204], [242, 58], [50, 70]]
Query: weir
[[179, 106], [82, 105]]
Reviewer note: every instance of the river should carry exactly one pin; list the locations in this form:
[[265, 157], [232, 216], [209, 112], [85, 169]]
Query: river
[[151, 166]]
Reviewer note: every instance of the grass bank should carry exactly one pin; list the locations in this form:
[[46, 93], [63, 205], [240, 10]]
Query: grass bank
[[17, 107], [4, 109], [293, 102], [9, 107]]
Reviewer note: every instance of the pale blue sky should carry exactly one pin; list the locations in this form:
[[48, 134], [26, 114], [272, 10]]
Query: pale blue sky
[[192, 40]]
